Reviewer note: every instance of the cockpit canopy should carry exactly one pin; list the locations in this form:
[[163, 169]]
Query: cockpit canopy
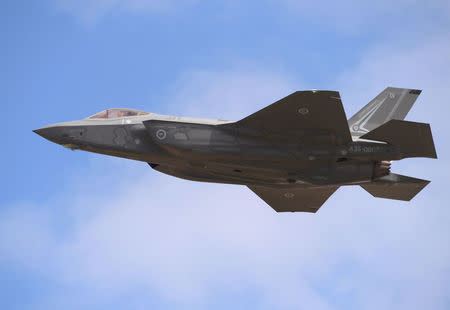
[[117, 113]]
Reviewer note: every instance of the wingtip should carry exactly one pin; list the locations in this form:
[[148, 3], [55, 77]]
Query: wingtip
[[415, 91]]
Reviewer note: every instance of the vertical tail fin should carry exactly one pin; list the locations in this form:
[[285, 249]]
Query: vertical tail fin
[[391, 103]]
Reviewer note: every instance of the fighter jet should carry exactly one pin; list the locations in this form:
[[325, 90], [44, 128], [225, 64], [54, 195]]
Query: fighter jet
[[294, 154]]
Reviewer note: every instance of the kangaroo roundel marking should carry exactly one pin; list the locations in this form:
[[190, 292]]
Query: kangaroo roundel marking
[[289, 195], [303, 111], [161, 134]]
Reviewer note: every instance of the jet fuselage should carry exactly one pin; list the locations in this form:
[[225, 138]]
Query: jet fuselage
[[208, 150]]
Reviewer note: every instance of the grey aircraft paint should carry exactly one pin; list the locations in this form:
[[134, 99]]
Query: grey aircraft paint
[[294, 154]]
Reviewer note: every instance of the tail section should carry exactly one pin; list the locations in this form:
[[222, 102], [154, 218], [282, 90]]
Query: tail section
[[391, 103], [395, 186], [410, 138]]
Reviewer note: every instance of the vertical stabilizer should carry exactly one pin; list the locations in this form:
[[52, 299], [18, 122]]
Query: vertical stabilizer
[[391, 103]]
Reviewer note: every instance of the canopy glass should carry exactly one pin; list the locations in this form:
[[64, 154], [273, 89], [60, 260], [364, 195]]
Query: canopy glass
[[117, 113]]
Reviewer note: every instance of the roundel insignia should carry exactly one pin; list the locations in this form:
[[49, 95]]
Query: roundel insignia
[[303, 111], [355, 127], [161, 134], [289, 195]]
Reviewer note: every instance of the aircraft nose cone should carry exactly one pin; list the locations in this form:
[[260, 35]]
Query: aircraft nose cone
[[39, 131], [50, 133]]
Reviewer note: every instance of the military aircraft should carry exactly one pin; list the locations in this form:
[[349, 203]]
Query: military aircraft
[[294, 154]]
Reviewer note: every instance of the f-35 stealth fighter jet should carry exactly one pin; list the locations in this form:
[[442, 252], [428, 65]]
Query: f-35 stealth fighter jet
[[294, 154]]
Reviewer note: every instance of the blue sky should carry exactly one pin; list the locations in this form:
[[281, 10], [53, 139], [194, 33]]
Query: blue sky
[[80, 230]]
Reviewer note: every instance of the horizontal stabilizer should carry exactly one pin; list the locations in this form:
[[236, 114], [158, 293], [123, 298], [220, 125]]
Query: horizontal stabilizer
[[303, 113], [294, 199], [395, 186], [410, 138]]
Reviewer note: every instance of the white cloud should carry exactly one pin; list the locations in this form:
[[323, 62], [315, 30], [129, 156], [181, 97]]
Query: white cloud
[[185, 240]]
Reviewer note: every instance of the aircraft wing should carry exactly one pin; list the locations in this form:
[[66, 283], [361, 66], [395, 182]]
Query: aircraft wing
[[294, 199], [303, 113]]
